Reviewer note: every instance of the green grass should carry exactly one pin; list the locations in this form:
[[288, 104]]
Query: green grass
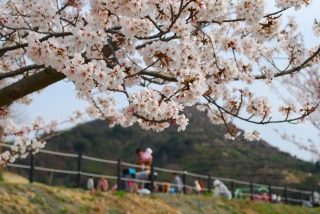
[[64, 210], [154, 196], [61, 198], [85, 208], [114, 210], [1, 175], [267, 208], [120, 193], [98, 193], [39, 200]]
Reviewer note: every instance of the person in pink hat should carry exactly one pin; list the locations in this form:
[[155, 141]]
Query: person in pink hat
[[146, 159]]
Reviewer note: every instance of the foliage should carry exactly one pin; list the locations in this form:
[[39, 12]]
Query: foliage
[[310, 182]]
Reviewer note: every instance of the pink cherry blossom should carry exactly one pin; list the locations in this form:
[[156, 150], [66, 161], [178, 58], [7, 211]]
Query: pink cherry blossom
[[160, 56]]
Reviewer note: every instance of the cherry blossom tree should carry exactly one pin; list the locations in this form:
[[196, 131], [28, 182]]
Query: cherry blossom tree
[[162, 55], [306, 86]]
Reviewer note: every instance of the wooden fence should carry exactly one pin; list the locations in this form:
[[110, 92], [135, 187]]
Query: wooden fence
[[239, 189]]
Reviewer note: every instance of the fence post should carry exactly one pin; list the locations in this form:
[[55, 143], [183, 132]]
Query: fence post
[[184, 181], [270, 193], [285, 195], [152, 179], [232, 188], [301, 196], [251, 190], [119, 175], [209, 183], [31, 172], [79, 168]]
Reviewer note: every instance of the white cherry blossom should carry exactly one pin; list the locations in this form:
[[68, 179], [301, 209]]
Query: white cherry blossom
[[161, 56]]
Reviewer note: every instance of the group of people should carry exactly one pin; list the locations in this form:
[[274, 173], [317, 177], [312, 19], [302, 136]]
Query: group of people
[[142, 172], [175, 187], [220, 189], [101, 186]]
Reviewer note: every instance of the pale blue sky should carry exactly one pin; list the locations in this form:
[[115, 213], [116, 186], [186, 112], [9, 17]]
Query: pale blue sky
[[58, 101]]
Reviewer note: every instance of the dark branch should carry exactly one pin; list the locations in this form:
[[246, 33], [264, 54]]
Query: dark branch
[[290, 71], [29, 85], [19, 71], [40, 80], [158, 75], [15, 47]]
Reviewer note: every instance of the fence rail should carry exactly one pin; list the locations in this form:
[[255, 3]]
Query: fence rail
[[187, 177]]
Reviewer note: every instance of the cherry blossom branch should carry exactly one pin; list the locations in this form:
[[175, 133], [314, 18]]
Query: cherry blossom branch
[[63, 7], [262, 122], [112, 51], [152, 120], [15, 47], [290, 71], [97, 107], [20, 71], [243, 19], [158, 75], [226, 124], [23, 145], [99, 46], [38, 80], [312, 148], [155, 24]]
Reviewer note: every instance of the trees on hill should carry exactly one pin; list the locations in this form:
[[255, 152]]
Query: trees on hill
[[161, 55]]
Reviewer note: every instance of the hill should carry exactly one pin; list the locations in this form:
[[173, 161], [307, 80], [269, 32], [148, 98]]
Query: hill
[[20, 198], [200, 149]]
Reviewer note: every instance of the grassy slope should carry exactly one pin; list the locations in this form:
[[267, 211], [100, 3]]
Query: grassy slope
[[21, 197]]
